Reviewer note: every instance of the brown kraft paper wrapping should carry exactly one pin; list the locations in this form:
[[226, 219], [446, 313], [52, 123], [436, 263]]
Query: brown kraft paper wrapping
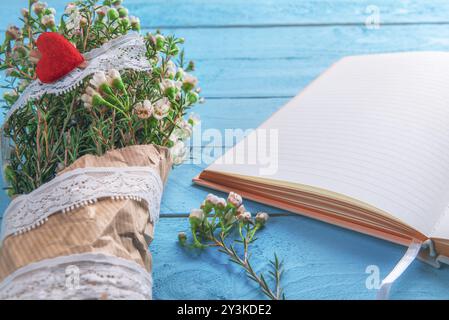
[[120, 228]]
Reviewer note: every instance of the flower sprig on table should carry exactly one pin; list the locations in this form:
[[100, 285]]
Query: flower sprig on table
[[228, 226], [109, 110]]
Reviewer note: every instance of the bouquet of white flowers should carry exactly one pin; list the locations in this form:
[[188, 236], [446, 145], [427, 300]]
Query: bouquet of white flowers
[[96, 117]]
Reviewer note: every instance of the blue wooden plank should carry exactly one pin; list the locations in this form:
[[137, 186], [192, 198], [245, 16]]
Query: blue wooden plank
[[321, 262], [197, 13], [281, 61]]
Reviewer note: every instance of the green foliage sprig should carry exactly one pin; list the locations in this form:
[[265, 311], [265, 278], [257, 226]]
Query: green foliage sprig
[[109, 110], [226, 225]]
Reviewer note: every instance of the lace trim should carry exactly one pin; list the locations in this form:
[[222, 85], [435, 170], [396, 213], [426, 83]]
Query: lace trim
[[81, 187], [124, 52], [79, 276]]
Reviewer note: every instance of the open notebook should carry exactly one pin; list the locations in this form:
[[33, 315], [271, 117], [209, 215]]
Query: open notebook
[[365, 146]]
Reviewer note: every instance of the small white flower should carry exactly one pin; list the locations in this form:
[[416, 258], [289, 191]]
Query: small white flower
[[114, 74], [189, 81], [196, 214], [212, 199], [70, 8], [183, 131], [262, 218], [178, 153], [144, 110], [38, 7], [135, 22], [91, 91], [171, 69], [235, 199], [48, 20], [246, 216], [194, 119], [88, 97], [25, 12], [13, 32], [221, 203], [161, 108], [73, 23], [98, 79], [241, 210], [169, 83]]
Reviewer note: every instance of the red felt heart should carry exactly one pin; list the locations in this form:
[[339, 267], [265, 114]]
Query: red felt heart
[[59, 57]]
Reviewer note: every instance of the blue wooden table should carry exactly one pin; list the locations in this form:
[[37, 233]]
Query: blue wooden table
[[252, 56]]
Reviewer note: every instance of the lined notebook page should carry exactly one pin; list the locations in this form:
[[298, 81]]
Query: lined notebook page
[[374, 128]]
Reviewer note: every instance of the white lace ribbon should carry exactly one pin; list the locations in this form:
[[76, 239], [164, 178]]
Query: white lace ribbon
[[124, 52], [79, 276], [399, 269], [81, 187]]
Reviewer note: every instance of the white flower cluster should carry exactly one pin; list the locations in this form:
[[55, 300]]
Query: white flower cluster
[[73, 23], [44, 13], [179, 136]]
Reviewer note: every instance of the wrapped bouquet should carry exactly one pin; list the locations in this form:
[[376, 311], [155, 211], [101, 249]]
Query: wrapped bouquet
[[96, 117]]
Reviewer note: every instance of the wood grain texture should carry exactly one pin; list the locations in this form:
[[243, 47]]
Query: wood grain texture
[[252, 56], [321, 262], [256, 13]]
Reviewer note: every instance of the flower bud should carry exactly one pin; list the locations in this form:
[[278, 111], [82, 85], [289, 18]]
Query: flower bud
[[182, 238], [191, 66], [39, 7], [170, 69], [221, 203], [241, 210], [10, 175], [49, 11], [211, 199], [135, 23], [83, 22], [160, 41], [244, 217], [25, 12], [116, 2], [196, 217], [13, 33], [115, 79], [262, 218], [102, 12], [193, 97], [48, 21], [189, 82], [70, 8], [235, 199], [122, 12], [113, 14], [20, 49], [125, 22], [194, 119]]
